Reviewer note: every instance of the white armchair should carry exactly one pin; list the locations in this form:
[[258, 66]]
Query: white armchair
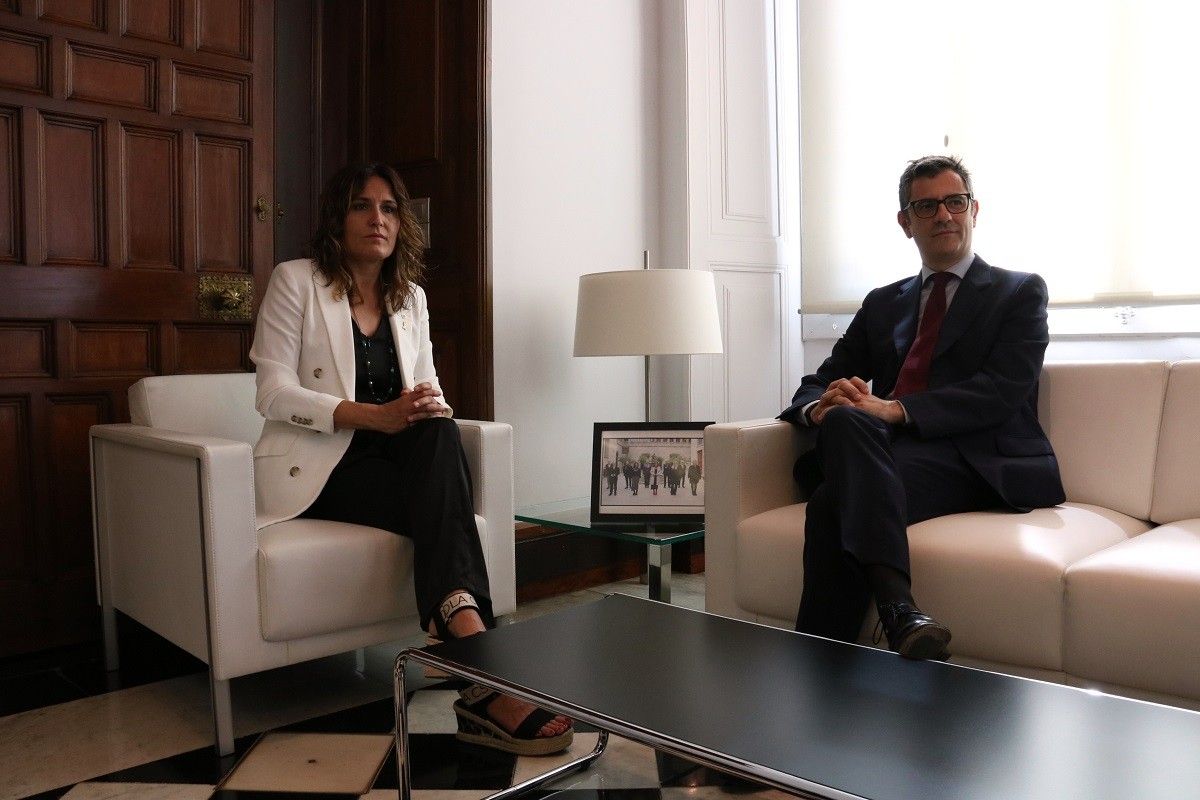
[[178, 549]]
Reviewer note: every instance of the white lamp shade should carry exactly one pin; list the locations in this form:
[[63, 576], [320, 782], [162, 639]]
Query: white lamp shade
[[647, 312]]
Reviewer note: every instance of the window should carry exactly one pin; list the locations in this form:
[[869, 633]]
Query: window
[[1077, 121]]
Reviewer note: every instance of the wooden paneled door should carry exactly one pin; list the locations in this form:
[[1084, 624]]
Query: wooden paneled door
[[135, 140]]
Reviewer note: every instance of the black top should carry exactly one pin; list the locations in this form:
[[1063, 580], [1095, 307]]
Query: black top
[[852, 719], [377, 380], [376, 367]]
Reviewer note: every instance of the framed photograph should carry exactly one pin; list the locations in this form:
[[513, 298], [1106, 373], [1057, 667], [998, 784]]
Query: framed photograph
[[646, 472]]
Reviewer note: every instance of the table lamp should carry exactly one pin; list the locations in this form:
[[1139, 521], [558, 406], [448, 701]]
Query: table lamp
[[647, 312]]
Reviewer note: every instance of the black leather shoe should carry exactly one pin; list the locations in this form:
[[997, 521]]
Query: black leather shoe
[[911, 633]]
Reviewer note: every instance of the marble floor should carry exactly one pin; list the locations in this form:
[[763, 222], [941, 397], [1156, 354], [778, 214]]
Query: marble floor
[[315, 730]]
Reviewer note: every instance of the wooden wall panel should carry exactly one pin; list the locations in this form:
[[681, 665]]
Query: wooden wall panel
[[152, 20], [72, 188], [210, 94], [26, 60], [16, 550], [447, 364], [26, 349], [150, 197], [212, 348], [403, 52], [111, 76], [8, 5], [404, 83], [81, 13], [222, 236], [11, 246], [69, 510], [113, 349], [224, 26]]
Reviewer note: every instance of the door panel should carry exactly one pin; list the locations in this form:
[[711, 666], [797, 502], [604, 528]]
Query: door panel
[[149, 224], [135, 136]]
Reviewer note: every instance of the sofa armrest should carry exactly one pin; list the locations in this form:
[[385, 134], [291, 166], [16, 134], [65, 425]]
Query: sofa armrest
[[489, 450], [174, 531], [748, 469]]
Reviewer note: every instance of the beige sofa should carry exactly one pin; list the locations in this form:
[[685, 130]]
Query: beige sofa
[[1102, 591]]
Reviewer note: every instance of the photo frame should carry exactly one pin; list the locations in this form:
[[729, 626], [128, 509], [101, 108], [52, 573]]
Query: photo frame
[[669, 461]]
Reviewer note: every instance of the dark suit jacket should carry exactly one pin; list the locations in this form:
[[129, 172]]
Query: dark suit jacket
[[983, 379]]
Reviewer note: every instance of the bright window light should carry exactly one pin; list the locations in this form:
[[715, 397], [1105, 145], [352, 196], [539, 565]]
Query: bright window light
[[1076, 120]]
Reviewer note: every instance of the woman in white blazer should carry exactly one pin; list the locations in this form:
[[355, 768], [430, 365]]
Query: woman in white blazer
[[357, 429]]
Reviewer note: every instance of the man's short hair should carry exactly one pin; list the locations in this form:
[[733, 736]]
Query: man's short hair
[[928, 167]]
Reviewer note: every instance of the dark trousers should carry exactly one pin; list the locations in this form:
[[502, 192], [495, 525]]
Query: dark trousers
[[869, 481], [414, 483]]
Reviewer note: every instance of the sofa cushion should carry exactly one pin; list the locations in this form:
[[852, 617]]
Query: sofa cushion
[[1103, 419], [1176, 478], [316, 576], [1133, 612], [996, 579]]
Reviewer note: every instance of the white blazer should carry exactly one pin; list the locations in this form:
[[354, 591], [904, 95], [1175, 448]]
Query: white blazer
[[304, 354]]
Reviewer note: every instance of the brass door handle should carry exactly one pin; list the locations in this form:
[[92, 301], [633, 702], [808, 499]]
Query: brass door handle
[[262, 208]]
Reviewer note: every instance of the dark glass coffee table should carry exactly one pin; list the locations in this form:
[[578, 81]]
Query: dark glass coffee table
[[818, 718], [657, 538]]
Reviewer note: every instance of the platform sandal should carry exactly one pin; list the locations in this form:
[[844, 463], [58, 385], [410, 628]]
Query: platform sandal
[[459, 601], [476, 726]]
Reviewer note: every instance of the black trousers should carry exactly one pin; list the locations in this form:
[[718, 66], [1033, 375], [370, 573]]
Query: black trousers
[[868, 482], [415, 483]]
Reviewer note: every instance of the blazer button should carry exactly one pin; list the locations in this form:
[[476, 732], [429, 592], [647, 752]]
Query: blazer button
[[294, 471], [295, 419], [317, 372]]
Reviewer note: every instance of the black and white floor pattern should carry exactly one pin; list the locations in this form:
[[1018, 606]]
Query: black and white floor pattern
[[320, 730]]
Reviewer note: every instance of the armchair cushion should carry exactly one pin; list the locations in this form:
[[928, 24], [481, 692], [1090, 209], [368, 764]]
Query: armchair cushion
[[317, 576]]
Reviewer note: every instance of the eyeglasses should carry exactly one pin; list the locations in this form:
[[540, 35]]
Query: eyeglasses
[[954, 203]]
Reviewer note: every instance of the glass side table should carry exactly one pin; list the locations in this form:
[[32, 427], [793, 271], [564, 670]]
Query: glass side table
[[657, 537]]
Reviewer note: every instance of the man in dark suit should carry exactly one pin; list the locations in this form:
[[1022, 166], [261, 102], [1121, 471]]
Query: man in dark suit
[[948, 424]]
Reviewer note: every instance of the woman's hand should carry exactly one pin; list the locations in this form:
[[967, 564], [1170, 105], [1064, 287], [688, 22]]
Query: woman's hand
[[423, 401]]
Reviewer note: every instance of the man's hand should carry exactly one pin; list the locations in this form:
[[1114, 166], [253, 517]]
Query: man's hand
[[855, 392]]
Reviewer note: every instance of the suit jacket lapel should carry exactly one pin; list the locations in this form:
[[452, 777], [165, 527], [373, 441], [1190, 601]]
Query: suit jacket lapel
[[968, 299], [904, 317], [337, 327], [402, 335]]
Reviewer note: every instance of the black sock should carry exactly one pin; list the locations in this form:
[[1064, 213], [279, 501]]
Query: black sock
[[888, 584]]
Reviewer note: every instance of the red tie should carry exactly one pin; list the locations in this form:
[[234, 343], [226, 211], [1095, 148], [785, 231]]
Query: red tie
[[914, 374]]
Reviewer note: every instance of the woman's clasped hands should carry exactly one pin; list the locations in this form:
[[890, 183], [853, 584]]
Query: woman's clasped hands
[[424, 401]]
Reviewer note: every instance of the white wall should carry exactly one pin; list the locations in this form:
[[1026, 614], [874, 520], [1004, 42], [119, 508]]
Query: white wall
[[574, 177]]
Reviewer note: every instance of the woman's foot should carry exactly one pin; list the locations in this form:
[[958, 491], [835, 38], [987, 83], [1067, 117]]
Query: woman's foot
[[508, 712]]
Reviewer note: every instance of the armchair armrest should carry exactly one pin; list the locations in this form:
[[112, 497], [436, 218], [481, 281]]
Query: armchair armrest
[[748, 468], [489, 450], [174, 532]]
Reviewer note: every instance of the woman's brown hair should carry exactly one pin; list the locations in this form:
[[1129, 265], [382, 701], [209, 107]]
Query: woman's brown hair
[[402, 270]]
